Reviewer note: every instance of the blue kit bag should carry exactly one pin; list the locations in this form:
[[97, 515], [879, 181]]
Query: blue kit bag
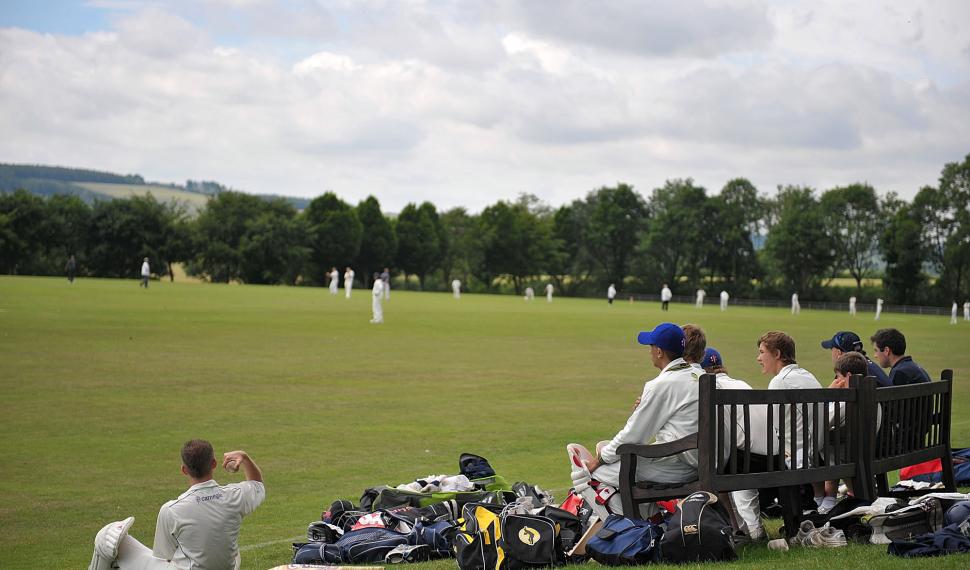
[[625, 542]]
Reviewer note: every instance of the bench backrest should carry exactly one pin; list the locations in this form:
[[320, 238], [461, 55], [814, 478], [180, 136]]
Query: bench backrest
[[806, 434], [915, 425]]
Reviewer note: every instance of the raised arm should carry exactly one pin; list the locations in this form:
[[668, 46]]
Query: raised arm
[[233, 460]]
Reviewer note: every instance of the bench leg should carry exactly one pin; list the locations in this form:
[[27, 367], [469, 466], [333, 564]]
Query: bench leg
[[791, 502]]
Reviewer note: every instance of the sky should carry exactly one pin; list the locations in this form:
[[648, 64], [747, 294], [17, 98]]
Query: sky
[[467, 102]]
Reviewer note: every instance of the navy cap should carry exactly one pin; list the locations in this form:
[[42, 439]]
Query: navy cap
[[666, 336], [712, 359], [846, 341]]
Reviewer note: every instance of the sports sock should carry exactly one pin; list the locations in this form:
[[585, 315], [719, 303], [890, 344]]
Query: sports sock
[[827, 504], [818, 501]]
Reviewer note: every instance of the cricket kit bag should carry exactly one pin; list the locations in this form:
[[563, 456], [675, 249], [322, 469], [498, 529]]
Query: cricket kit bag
[[625, 542], [367, 545], [490, 539], [699, 531]]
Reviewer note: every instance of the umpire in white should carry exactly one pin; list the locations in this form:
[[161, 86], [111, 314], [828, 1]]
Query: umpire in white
[[199, 529]]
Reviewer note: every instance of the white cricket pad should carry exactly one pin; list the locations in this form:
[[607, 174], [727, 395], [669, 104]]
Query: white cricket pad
[[109, 538]]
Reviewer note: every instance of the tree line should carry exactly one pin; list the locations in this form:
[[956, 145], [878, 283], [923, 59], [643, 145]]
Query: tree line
[[740, 240]]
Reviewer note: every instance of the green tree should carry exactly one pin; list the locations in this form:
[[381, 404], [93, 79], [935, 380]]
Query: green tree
[[616, 219], [902, 246], [464, 255], [273, 250], [220, 229], [378, 243], [568, 261], [419, 240], [516, 241], [853, 220], [732, 218], [944, 215], [123, 232], [335, 235], [798, 245], [676, 243], [21, 218]]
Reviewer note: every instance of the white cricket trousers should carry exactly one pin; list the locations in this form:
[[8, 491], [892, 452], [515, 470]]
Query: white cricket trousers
[[377, 309], [348, 286], [133, 555]]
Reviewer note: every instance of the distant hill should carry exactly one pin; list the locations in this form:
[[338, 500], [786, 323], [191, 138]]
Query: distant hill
[[91, 185]]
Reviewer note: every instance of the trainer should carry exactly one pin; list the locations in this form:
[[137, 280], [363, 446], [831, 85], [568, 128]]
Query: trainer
[[199, 529], [844, 342]]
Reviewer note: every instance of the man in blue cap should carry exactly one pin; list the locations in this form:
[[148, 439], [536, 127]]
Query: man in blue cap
[[847, 341], [667, 411]]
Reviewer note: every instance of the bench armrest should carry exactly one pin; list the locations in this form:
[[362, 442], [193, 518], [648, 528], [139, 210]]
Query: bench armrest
[[656, 450]]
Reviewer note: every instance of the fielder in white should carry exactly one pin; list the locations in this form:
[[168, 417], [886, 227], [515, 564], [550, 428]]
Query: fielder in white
[[966, 311], [953, 313], [724, 300], [377, 295], [199, 529], [348, 282], [548, 292], [796, 308], [610, 294], [667, 411], [878, 308], [334, 280], [700, 298], [852, 306], [530, 294], [665, 296], [146, 272], [386, 278], [456, 288]]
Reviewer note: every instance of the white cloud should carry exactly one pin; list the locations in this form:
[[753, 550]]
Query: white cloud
[[463, 103]]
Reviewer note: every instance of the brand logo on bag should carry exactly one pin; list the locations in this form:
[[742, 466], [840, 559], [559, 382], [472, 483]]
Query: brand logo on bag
[[690, 529], [528, 535]]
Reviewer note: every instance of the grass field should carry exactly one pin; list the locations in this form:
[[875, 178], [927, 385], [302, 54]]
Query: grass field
[[101, 382]]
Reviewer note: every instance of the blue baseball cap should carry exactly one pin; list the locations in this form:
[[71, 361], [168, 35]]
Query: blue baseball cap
[[712, 359], [666, 336]]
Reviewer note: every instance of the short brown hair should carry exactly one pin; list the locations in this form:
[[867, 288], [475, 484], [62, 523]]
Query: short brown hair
[[852, 363], [197, 456], [784, 344], [695, 341]]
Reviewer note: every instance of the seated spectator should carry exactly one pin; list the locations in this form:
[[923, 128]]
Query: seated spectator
[[776, 354], [846, 366], [847, 341], [667, 411], [889, 346], [746, 503]]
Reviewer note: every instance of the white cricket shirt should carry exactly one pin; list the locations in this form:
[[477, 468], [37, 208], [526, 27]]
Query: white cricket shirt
[[200, 529]]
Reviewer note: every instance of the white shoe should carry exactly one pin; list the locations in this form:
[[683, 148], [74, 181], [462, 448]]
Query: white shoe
[[106, 543]]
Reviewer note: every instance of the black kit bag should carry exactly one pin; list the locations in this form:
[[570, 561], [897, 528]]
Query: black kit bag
[[699, 531], [477, 543], [369, 545], [531, 541]]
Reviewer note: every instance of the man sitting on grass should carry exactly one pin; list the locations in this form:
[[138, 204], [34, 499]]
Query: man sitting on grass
[[199, 529], [666, 411]]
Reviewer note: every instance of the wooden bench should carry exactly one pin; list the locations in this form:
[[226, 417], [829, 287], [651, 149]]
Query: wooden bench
[[915, 427]]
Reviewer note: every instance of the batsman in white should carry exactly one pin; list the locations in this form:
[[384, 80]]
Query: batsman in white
[[966, 311], [199, 529], [456, 288], [878, 308], [348, 282], [377, 294], [549, 292], [666, 411], [852, 306], [796, 308], [953, 313], [700, 298], [334, 280], [724, 300]]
